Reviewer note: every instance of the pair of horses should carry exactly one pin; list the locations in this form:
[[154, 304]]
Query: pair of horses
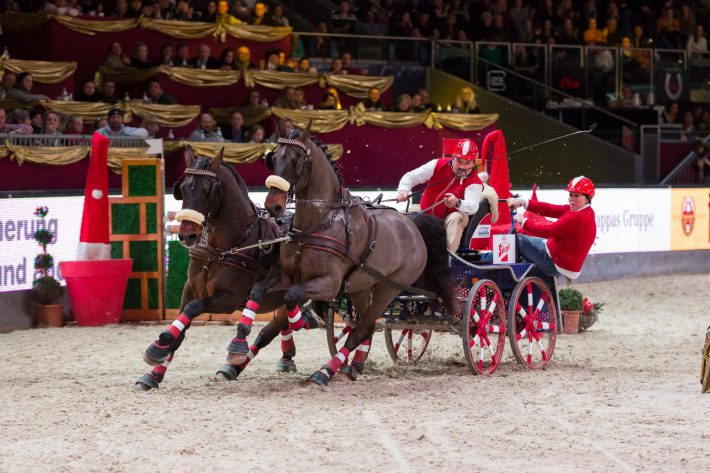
[[338, 244]]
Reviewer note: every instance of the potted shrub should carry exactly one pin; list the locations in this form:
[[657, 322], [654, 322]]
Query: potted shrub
[[46, 290], [590, 314], [571, 304]]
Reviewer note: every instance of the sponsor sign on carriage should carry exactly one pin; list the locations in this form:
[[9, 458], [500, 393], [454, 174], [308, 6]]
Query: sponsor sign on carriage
[[503, 249]]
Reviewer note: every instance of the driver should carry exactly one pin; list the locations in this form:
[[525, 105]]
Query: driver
[[453, 189], [558, 247]]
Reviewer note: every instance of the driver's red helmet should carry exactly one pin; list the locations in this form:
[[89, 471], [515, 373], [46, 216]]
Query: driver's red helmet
[[581, 185], [466, 149]]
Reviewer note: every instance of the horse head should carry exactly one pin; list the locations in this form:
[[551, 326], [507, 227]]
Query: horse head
[[200, 190], [291, 163]]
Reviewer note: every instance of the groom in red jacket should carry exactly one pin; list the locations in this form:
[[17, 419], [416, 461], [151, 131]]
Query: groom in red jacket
[[560, 247]]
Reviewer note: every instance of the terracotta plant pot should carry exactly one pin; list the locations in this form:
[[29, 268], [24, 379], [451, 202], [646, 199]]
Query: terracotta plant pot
[[571, 321], [50, 315]]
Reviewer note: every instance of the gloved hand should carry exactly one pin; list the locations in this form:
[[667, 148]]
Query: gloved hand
[[490, 194], [402, 196]]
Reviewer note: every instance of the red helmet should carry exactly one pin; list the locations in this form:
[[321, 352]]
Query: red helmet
[[581, 185], [466, 149]]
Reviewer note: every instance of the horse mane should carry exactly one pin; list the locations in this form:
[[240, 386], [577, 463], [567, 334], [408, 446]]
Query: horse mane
[[297, 133]]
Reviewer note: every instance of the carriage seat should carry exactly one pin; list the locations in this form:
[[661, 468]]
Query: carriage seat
[[476, 237]]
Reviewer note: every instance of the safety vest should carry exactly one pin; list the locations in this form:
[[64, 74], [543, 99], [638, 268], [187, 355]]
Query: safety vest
[[442, 182]]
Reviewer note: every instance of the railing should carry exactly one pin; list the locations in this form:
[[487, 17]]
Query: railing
[[69, 140], [684, 173]]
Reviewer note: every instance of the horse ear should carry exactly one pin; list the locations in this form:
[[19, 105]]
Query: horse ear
[[217, 160], [307, 132], [189, 156]]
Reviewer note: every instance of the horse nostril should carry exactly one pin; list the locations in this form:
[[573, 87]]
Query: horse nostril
[[191, 239], [277, 209]]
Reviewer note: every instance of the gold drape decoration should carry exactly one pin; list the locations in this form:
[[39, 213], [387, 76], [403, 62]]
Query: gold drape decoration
[[45, 72], [324, 121], [92, 27], [360, 117], [55, 156], [117, 155], [358, 86], [127, 75], [172, 116], [278, 80], [184, 75], [242, 153], [168, 115], [460, 121], [257, 33], [251, 115]]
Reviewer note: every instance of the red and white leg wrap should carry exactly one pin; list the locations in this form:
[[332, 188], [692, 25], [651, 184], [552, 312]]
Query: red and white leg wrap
[[361, 352], [295, 320], [179, 325], [253, 351], [249, 313], [288, 347], [162, 368], [337, 360]]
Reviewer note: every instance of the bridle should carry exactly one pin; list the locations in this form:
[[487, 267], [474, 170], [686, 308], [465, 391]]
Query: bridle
[[302, 165]]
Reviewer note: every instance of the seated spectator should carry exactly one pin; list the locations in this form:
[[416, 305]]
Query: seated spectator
[[304, 65], [347, 63], [184, 11], [151, 125], [60, 7], [209, 14], [612, 35], [687, 21], [7, 83], [299, 99], [669, 30], [321, 45], [89, 93], [108, 92], [16, 129], [227, 60], [403, 104], [167, 55], [182, 56], [336, 67], [115, 127], [592, 35], [21, 116], [204, 59], [223, 15], [206, 131], [343, 21], [466, 101], [257, 134], [277, 17], [688, 126], [639, 38], [334, 92], [568, 35], [701, 163], [327, 102], [425, 99], [157, 95], [244, 59], [670, 114], [139, 59], [236, 132], [372, 102], [135, 9], [36, 120], [74, 126], [289, 65], [99, 123], [51, 125], [417, 104], [285, 126], [116, 59], [371, 27], [258, 16], [287, 99], [272, 61], [697, 43], [23, 90], [627, 97], [254, 99], [240, 10]]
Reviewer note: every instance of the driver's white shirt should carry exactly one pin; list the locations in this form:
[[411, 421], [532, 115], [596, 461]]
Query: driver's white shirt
[[422, 174]]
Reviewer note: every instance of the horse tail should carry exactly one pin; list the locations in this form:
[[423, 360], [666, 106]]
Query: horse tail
[[436, 276]]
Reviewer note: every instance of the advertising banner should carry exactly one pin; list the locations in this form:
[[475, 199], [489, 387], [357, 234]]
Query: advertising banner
[[690, 225], [18, 247]]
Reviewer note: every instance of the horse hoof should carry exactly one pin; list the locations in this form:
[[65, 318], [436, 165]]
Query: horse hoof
[[350, 372], [146, 383], [235, 358], [285, 366], [227, 373], [155, 355], [319, 378]]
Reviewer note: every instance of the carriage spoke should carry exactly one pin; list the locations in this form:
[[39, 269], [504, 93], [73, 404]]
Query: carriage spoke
[[400, 340], [409, 345]]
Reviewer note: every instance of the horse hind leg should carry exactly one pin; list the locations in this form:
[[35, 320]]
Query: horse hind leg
[[153, 379], [357, 366]]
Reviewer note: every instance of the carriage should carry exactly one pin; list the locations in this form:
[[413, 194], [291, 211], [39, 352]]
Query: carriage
[[495, 301]]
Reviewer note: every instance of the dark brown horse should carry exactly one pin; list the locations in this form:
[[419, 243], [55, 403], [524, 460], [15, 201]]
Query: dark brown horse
[[216, 204], [339, 245]]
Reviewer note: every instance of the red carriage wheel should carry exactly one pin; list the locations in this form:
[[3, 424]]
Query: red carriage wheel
[[484, 328], [532, 323], [408, 345]]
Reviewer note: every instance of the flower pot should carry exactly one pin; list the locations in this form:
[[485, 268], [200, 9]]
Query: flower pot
[[571, 321], [50, 315], [96, 289]]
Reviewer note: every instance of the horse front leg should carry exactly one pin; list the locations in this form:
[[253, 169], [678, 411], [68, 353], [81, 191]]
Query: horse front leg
[[238, 349], [278, 324]]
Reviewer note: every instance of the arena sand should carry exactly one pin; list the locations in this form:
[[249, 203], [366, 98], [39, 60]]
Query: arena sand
[[624, 396]]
